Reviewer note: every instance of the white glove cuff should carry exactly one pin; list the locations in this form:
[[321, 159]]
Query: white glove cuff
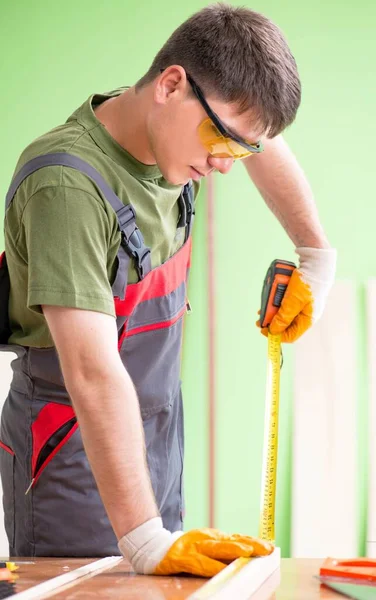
[[317, 264], [146, 546]]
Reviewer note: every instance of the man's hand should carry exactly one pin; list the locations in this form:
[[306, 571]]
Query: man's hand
[[306, 294], [152, 550]]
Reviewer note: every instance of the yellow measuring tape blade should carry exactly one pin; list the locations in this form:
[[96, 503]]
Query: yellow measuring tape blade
[[269, 466], [269, 472]]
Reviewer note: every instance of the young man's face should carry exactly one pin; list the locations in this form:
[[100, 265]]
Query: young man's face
[[174, 129]]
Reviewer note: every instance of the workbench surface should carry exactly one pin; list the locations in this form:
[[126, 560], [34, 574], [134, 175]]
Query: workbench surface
[[297, 581]]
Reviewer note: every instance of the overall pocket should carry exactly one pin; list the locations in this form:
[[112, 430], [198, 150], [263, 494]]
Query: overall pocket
[[51, 430], [7, 459], [152, 359]]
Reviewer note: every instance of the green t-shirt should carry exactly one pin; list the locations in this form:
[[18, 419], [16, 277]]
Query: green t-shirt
[[61, 235]]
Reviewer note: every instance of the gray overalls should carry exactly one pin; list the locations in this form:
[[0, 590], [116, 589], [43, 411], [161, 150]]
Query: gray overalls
[[41, 451]]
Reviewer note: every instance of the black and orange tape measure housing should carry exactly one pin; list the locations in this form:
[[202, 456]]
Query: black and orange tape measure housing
[[275, 284]]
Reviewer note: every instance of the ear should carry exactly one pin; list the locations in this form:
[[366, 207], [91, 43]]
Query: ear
[[170, 85]]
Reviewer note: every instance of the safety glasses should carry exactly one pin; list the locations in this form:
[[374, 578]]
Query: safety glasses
[[216, 137]]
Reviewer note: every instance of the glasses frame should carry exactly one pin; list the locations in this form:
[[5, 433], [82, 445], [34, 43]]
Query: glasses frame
[[252, 148]]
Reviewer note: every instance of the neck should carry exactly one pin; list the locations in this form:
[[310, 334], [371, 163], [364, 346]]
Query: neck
[[124, 117]]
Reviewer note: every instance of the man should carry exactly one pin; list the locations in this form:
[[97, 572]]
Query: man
[[222, 87]]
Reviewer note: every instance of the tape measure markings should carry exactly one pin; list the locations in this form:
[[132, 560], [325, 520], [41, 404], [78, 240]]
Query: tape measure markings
[[269, 468]]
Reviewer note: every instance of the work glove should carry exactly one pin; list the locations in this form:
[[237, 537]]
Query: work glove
[[152, 550], [306, 295]]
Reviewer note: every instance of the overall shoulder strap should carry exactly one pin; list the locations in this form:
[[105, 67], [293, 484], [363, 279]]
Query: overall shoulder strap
[[187, 209], [132, 239]]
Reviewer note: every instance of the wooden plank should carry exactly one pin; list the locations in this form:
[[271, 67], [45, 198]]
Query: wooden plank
[[119, 582], [50, 587], [371, 355], [324, 512], [242, 579]]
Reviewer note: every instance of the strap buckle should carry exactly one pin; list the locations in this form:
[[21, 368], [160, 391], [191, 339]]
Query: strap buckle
[[126, 216], [133, 241], [136, 249], [189, 208]]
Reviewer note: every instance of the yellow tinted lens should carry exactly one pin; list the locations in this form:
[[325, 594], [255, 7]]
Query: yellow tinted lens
[[219, 145]]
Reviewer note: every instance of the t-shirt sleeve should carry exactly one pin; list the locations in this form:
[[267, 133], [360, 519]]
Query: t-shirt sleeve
[[66, 236]]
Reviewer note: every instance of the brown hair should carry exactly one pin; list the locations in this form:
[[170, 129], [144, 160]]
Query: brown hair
[[239, 56]]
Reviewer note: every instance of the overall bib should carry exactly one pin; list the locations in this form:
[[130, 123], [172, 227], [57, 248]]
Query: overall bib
[[51, 502]]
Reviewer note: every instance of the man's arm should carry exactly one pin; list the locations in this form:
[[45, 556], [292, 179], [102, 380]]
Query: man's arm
[[107, 409], [285, 189], [108, 413]]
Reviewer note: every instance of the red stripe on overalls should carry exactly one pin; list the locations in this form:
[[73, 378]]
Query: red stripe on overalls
[[49, 420], [161, 281], [153, 326], [6, 448]]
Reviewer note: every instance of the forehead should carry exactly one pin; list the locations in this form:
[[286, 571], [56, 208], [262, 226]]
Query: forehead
[[245, 125]]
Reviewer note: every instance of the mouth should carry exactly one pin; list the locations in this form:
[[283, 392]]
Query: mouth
[[195, 174]]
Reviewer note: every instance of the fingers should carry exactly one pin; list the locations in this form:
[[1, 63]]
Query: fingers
[[290, 307], [260, 547], [204, 566], [297, 299], [206, 552], [264, 330], [192, 563], [299, 326], [225, 550]]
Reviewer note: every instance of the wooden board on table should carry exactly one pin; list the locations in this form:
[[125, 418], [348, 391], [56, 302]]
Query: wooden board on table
[[244, 579], [297, 582], [118, 582], [324, 511]]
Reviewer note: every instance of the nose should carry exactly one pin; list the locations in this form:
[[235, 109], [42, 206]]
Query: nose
[[223, 165]]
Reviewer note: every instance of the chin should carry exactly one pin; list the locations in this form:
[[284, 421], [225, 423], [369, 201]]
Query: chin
[[174, 177]]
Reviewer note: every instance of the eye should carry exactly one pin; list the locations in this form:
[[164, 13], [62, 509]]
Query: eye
[[214, 130]]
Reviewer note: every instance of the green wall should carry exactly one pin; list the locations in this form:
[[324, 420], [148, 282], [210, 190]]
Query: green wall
[[54, 55], [333, 138]]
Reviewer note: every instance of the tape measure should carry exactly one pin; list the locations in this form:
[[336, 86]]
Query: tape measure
[[275, 285], [269, 463], [274, 288]]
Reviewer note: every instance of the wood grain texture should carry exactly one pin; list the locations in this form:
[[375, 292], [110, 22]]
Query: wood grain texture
[[297, 582], [243, 578]]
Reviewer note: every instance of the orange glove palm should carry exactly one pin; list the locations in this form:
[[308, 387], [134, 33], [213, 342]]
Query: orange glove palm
[[205, 552]]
